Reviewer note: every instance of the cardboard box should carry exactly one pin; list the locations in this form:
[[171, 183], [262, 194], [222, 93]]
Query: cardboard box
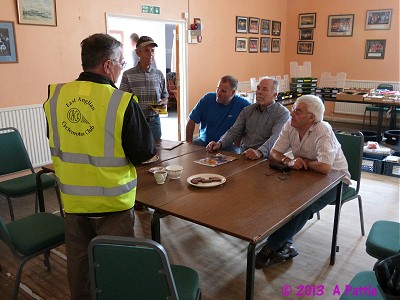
[[352, 95]]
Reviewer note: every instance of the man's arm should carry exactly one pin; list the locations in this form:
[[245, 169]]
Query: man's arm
[[189, 130], [137, 138], [235, 132]]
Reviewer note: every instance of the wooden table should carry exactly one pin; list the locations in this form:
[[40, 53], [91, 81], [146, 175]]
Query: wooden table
[[250, 205], [381, 103]]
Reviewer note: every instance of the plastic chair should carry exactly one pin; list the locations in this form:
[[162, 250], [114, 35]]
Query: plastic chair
[[374, 108], [30, 237], [13, 159], [383, 239], [352, 146], [123, 268]]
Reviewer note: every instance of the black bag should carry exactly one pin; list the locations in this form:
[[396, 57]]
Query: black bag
[[387, 272]]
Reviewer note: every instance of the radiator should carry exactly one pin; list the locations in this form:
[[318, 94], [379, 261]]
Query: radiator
[[31, 122], [358, 109]]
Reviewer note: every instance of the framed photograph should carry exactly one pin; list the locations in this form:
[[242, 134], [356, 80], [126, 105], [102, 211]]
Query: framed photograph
[[241, 44], [37, 12], [375, 49], [253, 45], [241, 24], [307, 20], [340, 25], [305, 47], [275, 45], [8, 49], [265, 44], [378, 19], [265, 26], [306, 34], [254, 25], [276, 28]]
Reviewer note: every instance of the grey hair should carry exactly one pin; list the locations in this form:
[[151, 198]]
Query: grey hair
[[314, 106], [97, 48], [275, 81], [233, 82]]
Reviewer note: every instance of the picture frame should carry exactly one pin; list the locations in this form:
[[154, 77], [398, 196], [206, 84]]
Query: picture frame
[[305, 47], [37, 12], [254, 25], [253, 45], [307, 20], [306, 34], [375, 49], [265, 26], [241, 24], [8, 48], [340, 25], [241, 44], [265, 44], [275, 45], [378, 19], [276, 28]]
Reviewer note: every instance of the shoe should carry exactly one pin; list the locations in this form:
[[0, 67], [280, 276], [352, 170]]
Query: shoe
[[263, 256], [284, 253]]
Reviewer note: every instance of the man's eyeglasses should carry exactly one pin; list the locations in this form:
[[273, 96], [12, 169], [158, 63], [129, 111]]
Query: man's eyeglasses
[[299, 112], [121, 63]]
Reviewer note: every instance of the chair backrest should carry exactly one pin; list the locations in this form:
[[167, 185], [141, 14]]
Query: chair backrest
[[5, 237], [384, 86], [13, 154], [352, 146], [122, 266]]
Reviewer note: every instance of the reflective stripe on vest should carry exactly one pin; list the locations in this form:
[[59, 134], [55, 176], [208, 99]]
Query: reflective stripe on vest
[[108, 140]]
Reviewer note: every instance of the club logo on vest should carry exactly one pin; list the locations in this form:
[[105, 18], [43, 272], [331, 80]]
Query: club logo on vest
[[75, 116]]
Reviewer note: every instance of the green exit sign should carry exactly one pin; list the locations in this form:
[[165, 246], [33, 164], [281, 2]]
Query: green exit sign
[[150, 9]]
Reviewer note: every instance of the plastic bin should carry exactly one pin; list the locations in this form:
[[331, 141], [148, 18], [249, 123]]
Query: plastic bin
[[372, 165], [391, 168]]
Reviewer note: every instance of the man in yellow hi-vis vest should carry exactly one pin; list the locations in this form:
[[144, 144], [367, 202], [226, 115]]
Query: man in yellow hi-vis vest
[[97, 134]]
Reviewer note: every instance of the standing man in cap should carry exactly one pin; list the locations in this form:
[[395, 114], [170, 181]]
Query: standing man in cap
[[148, 83]]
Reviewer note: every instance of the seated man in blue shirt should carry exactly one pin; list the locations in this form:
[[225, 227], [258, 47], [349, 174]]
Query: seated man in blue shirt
[[216, 112], [258, 125]]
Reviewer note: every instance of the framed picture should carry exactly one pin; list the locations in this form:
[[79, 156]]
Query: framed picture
[[253, 45], [265, 44], [241, 44], [241, 24], [378, 19], [375, 49], [307, 20], [37, 12], [276, 28], [265, 26], [275, 45], [8, 49], [305, 47], [306, 34], [254, 25], [340, 25]]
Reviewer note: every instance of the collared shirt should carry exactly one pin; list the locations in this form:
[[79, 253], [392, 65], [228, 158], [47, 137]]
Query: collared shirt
[[319, 143], [148, 85], [258, 129]]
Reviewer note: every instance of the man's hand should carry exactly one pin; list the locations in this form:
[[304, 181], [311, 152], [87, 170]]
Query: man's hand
[[298, 164], [212, 146], [252, 154]]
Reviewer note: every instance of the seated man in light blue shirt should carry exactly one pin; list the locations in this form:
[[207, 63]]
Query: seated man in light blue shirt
[[216, 112], [258, 125]]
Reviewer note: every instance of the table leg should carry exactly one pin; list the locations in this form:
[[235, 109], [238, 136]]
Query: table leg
[[155, 226], [380, 120], [251, 260], [338, 206]]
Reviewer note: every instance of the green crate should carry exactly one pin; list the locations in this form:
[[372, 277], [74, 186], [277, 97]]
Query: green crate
[[372, 165]]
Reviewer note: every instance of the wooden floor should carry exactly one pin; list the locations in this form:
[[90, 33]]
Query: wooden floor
[[221, 259]]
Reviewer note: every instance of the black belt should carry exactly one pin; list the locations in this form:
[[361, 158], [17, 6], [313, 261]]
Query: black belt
[[151, 119]]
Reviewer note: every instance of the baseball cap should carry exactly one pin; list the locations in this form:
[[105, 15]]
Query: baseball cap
[[145, 41]]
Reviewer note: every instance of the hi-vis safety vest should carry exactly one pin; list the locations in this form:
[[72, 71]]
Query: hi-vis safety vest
[[85, 125]]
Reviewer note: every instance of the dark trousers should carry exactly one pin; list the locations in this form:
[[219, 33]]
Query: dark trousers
[[79, 231], [155, 126]]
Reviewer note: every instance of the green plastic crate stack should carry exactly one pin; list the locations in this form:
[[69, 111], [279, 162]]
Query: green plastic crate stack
[[304, 85]]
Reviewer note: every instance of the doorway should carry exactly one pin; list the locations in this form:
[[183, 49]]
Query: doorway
[[170, 57]]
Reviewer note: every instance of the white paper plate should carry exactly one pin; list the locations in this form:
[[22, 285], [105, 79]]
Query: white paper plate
[[206, 184], [151, 160], [152, 170]]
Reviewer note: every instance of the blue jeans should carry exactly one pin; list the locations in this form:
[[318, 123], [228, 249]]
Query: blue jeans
[[285, 234], [231, 148], [155, 126]]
